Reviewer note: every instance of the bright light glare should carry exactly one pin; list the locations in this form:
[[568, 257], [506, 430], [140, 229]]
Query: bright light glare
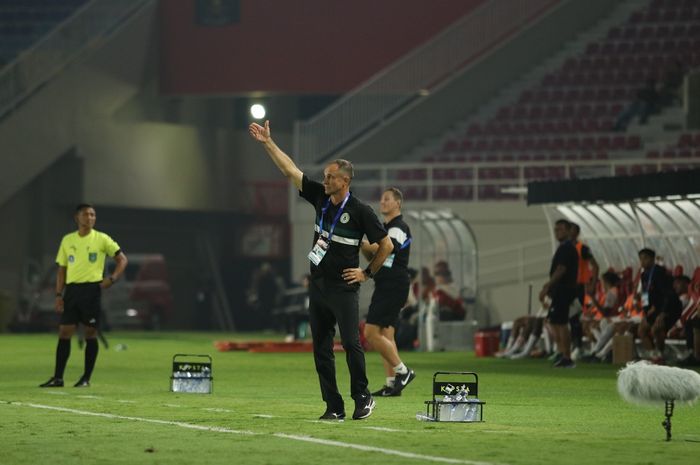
[[257, 110]]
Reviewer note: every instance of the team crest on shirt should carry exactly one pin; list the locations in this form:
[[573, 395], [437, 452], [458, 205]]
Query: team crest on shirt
[[71, 258], [92, 256], [345, 217]]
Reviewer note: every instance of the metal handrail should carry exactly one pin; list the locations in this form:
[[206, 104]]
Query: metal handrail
[[35, 66], [413, 75], [374, 176]]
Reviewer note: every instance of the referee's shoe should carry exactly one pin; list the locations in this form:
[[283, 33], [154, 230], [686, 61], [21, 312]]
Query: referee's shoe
[[402, 380], [364, 408]]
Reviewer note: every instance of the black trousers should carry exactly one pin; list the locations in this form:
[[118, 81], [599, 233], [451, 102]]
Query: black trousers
[[328, 306]]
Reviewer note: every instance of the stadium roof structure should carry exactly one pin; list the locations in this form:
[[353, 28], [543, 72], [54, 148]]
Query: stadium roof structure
[[615, 189], [620, 215]]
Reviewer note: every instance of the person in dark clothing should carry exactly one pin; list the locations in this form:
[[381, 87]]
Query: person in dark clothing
[[391, 288], [561, 288], [646, 104], [340, 223], [661, 305]]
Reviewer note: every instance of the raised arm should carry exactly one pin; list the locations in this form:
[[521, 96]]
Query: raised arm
[[281, 159]]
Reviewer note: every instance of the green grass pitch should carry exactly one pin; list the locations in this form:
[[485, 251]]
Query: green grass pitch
[[264, 409]]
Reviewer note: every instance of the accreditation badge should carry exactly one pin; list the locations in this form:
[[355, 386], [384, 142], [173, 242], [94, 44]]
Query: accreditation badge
[[645, 299], [389, 262], [318, 251]]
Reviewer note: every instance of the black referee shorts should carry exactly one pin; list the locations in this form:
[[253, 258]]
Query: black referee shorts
[[387, 301], [82, 304]]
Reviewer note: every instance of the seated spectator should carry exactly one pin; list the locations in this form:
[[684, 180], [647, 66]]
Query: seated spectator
[[662, 308], [525, 334], [605, 313], [646, 104], [685, 327], [407, 326], [669, 94], [446, 295]]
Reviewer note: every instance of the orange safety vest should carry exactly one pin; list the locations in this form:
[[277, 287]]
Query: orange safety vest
[[584, 267]]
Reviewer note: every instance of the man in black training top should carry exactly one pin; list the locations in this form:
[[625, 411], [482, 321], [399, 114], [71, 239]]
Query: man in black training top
[[340, 223], [391, 286], [661, 304], [562, 289], [79, 285]]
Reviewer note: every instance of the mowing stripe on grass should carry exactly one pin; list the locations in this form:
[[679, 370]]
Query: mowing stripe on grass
[[216, 429]]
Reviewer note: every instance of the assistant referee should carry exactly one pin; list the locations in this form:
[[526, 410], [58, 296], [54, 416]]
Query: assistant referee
[[79, 285], [340, 223]]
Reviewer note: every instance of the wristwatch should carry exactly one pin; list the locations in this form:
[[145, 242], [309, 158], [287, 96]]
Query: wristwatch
[[368, 273]]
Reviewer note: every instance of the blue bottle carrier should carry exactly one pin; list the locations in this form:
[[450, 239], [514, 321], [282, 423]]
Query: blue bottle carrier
[[192, 373], [455, 398]]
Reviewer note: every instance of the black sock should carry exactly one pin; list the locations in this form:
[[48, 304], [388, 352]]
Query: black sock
[[91, 349], [62, 354]]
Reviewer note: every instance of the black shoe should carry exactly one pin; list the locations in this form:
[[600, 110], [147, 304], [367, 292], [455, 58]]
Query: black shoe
[[333, 416], [82, 382], [53, 382], [402, 380], [364, 408], [386, 391], [564, 363]]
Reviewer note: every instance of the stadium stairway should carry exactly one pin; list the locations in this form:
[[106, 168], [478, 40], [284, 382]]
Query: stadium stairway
[[66, 93]]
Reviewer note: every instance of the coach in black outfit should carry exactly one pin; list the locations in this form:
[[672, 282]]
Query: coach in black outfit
[[562, 289], [341, 222]]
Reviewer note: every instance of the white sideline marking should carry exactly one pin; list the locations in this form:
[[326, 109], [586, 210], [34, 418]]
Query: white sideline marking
[[262, 415], [381, 428], [408, 455], [218, 410], [216, 429], [121, 401], [89, 397], [172, 405], [57, 393]]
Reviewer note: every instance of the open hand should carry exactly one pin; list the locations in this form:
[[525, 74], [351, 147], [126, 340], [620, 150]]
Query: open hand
[[354, 275], [259, 133]]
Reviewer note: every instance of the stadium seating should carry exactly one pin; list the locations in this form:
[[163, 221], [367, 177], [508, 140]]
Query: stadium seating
[[23, 22], [570, 114]]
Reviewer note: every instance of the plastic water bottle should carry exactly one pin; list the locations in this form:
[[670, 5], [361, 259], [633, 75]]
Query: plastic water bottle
[[424, 417], [472, 410]]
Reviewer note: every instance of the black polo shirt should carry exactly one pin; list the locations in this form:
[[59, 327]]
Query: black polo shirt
[[357, 220], [658, 282], [400, 236], [567, 256]]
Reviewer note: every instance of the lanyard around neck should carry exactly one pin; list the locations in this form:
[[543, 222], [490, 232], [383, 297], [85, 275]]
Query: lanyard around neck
[[651, 274], [337, 216]]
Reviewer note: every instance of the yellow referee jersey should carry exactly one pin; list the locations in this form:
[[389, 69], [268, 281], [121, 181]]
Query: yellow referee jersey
[[84, 257]]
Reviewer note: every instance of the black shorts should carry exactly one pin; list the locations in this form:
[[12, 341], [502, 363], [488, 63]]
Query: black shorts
[[670, 317], [82, 304], [387, 301], [559, 311]]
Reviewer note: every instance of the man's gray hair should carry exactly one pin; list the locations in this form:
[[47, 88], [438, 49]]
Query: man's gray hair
[[345, 167]]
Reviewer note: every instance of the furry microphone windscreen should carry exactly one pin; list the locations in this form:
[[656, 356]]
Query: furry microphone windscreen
[[648, 384]]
